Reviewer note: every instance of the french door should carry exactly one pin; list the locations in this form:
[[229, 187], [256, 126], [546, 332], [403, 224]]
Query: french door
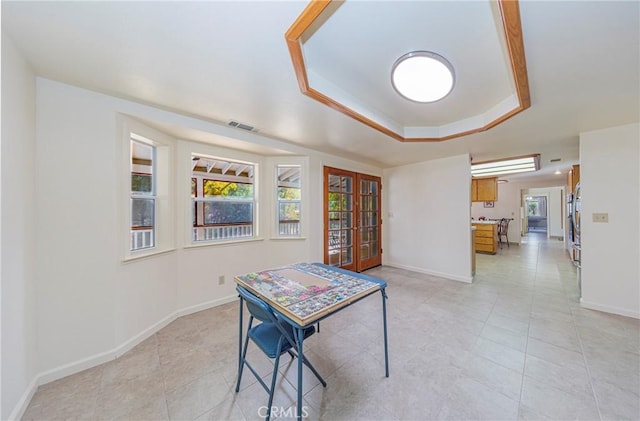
[[352, 220]]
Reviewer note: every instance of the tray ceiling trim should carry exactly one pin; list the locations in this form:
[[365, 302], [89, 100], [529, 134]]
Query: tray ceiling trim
[[327, 93]]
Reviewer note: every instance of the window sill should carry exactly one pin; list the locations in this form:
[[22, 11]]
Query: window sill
[[222, 243], [145, 255], [283, 238]]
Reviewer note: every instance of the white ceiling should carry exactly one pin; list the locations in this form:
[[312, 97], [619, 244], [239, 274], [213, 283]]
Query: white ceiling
[[361, 65], [229, 60]]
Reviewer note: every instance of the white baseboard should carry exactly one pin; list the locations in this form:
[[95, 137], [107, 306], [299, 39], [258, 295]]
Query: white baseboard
[[75, 367], [466, 279], [207, 305], [140, 337], [103, 357], [609, 309], [22, 404]]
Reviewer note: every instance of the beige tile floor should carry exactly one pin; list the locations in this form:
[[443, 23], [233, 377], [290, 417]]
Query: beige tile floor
[[515, 344]]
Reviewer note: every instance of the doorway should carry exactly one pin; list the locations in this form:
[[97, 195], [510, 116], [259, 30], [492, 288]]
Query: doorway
[[352, 220], [536, 208]]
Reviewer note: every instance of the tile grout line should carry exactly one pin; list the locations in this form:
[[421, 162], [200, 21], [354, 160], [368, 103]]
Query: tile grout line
[[526, 346], [480, 337], [518, 283], [566, 296], [164, 384], [95, 403], [575, 328], [586, 365]]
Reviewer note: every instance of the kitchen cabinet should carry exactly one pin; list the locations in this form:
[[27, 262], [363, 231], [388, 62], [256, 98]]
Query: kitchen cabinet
[[486, 238], [484, 189]]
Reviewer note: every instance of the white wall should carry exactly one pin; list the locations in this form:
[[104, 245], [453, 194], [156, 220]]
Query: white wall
[[76, 224], [81, 271], [427, 225], [89, 305], [19, 359], [609, 181]]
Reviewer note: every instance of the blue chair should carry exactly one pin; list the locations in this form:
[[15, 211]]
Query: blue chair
[[273, 336]]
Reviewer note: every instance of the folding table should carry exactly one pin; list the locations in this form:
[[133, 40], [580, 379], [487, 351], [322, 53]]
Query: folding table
[[304, 294]]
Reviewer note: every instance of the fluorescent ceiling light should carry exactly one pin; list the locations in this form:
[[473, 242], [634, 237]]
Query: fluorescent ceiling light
[[422, 76], [514, 165], [505, 168], [504, 172]]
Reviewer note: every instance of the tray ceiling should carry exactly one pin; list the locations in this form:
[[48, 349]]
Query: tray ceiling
[[343, 53]]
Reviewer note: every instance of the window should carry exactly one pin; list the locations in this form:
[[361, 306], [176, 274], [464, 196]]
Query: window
[[537, 206], [223, 199], [288, 184], [146, 197], [143, 196]]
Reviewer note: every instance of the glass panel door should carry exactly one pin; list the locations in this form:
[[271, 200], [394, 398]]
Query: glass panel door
[[369, 224], [352, 220], [339, 218]]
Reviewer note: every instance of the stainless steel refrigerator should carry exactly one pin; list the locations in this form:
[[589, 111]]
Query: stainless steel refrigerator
[[575, 212]]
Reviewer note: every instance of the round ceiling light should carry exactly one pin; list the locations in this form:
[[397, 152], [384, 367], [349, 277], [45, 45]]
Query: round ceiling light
[[422, 76]]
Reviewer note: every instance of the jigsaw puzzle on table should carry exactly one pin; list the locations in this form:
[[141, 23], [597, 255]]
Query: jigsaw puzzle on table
[[304, 289]]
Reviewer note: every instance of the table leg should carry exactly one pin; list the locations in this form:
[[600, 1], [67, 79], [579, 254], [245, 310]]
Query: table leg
[[240, 343], [299, 339], [384, 322]]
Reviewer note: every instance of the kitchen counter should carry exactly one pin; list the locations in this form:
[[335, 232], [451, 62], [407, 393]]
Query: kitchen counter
[[486, 238]]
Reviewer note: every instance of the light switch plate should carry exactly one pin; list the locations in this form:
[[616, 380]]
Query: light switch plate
[[601, 217]]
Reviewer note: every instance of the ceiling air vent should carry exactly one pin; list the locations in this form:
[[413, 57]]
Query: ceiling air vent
[[555, 160], [242, 126]]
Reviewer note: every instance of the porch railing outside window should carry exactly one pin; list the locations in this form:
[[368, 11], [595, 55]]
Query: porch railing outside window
[[223, 232], [291, 228], [141, 238]]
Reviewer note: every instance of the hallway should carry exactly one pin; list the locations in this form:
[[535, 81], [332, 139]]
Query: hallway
[[515, 344]]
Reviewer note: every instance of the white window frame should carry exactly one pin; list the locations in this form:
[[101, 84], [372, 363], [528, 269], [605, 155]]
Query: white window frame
[[217, 240], [272, 163], [164, 192], [278, 202], [136, 235]]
